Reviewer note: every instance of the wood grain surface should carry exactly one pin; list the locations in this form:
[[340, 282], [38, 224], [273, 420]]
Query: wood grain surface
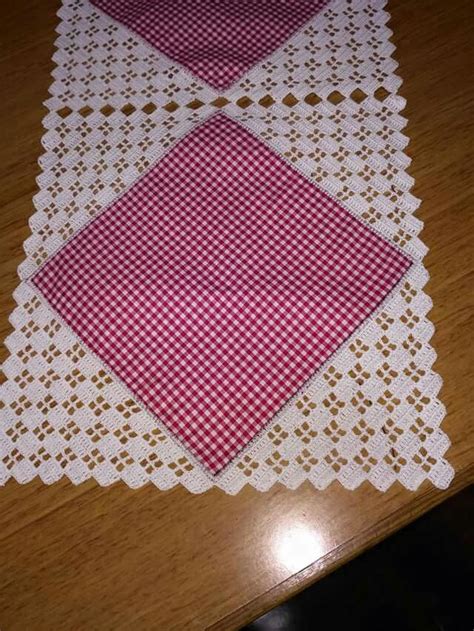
[[87, 558]]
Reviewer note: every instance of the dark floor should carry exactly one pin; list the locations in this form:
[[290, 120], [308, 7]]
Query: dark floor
[[420, 579]]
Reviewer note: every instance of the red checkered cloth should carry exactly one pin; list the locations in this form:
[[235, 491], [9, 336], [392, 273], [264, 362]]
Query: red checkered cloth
[[218, 284], [216, 41]]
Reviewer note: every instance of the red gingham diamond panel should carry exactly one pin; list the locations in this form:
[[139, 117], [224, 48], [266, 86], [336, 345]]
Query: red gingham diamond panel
[[218, 284], [216, 41]]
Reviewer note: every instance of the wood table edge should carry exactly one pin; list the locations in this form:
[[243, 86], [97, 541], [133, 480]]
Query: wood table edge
[[344, 553]]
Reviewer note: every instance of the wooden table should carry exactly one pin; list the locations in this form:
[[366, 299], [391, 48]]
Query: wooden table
[[86, 558]]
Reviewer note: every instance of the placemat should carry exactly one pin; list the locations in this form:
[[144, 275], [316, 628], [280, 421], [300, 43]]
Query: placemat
[[224, 281]]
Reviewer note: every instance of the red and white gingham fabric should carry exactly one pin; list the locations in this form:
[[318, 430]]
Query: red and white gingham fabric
[[216, 41], [218, 284]]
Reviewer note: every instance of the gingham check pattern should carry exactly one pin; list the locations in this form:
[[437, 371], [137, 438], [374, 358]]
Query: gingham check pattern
[[218, 284], [216, 41]]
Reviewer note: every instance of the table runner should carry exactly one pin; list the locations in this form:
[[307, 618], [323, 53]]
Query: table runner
[[224, 281]]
